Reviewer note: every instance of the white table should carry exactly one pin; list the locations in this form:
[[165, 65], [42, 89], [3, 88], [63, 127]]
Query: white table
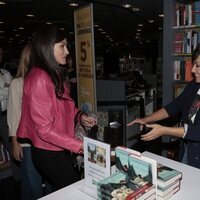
[[189, 190]]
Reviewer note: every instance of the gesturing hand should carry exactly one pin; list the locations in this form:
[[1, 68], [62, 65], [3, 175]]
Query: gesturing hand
[[157, 131]]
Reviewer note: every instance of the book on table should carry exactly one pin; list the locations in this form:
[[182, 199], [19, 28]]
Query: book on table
[[135, 177], [164, 191], [167, 175], [169, 195]]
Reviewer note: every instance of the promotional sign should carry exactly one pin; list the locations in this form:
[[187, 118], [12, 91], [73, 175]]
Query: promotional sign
[[96, 162], [85, 61]]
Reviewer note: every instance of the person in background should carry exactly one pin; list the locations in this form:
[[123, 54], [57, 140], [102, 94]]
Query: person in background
[[48, 112], [187, 104], [31, 180], [5, 80], [71, 75]]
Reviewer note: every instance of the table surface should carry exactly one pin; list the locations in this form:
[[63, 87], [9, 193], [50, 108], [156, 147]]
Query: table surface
[[189, 189]]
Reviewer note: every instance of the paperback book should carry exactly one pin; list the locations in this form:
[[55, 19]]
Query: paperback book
[[135, 177], [167, 175], [164, 191], [169, 195]]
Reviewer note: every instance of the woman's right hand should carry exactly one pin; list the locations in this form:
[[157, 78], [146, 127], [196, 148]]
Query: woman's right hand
[[17, 151], [140, 121]]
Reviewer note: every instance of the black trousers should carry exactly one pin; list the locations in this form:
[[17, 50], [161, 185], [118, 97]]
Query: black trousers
[[55, 166]]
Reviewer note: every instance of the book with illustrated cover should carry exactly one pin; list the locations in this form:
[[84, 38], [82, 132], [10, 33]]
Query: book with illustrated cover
[[135, 177], [121, 157], [169, 195], [121, 187], [164, 191], [167, 175]]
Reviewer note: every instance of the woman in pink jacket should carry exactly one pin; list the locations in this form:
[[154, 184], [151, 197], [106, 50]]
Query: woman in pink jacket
[[48, 112]]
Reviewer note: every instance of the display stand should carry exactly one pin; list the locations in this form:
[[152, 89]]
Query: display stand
[[189, 188]]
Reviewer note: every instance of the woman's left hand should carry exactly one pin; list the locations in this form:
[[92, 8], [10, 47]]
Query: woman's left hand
[[157, 131], [88, 121]]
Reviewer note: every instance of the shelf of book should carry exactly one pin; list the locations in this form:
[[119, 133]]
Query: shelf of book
[[181, 36]]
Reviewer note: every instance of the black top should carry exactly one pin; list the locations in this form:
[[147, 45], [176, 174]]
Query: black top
[[182, 105]]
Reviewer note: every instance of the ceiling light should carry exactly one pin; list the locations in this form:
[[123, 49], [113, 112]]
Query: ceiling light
[[2, 3], [73, 4], [62, 29], [96, 25], [140, 25], [1, 31], [160, 28], [1, 22], [135, 9], [30, 15], [151, 21], [100, 29], [49, 23], [21, 28], [139, 30], [127, 5], [161, 15]]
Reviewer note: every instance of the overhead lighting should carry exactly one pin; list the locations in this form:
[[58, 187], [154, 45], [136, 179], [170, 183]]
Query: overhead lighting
[[2, 3], [140, 25], [126, 5], [49, 23], [62, 29], [160, 28], [30, 15], [1, 22], [21, 28], [161, 15], [134, 9], [151, 21], [139, 30], [73, 4], [1, 31]]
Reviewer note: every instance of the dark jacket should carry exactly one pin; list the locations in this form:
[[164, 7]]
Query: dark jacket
[[182, 105]]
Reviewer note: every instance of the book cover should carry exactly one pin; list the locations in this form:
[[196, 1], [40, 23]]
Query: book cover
[[164, 191], [167, 175], [121, 186], [169, 195], [121, 157], [135, 177]]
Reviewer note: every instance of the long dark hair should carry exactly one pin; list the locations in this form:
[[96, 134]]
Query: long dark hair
[[43, 43]]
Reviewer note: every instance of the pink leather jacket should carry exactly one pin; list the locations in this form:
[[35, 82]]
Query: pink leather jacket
[[46, 120]]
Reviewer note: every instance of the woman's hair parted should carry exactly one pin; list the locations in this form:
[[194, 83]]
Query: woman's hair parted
[[24, 62], [196, 53], [43, 43]]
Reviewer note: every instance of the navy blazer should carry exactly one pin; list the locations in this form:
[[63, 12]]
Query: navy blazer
[[182, 105]]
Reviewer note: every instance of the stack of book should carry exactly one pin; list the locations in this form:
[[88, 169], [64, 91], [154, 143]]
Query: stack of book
[[135, 177], [168, 182]]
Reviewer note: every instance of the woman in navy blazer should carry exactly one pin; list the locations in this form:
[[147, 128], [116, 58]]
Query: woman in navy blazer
[[187, 104]]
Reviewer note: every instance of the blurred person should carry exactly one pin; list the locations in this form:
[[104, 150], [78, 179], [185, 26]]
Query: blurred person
[[187, 104], [31, 180], [5, 80], [48, 112]]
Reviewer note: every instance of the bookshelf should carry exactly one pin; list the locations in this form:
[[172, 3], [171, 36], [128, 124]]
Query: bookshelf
[[181, 35]]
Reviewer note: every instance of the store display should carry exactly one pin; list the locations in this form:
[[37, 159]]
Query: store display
[[167, 175], [135, 177]]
